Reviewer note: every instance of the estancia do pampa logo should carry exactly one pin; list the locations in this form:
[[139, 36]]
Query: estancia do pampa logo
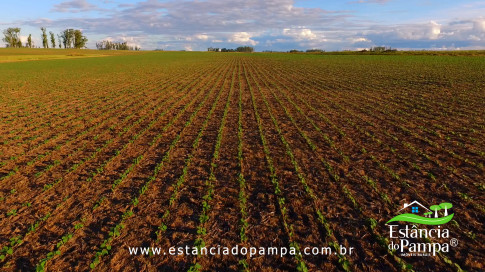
[[414, 239], [428, 218]]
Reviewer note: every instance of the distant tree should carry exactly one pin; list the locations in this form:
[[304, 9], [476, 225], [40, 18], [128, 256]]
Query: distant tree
[[315, 51], [378, 49], [109, 45], [53, 39], [59, 38], [12, 37], [29, 41], [73, 38], [79, 39], [67, 38], [294, 51], [45, 43], [246, 49]]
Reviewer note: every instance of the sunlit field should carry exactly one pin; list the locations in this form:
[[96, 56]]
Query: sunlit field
[[103, 150]]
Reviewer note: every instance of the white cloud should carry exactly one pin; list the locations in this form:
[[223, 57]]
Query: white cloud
[[202, 37], [242, 38], [431, 35], [474, 38], [197, 37], [74, 6], [359, 40], [301, 34], [431, 31], [209, 16], [434, 31], [479, 25], [23, 39], [307, 34]]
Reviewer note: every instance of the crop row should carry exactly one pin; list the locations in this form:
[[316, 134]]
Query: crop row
[[332, 173], [117, 152], [105, 247]]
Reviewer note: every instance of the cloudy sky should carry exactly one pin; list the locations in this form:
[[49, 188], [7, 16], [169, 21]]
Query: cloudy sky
[[264, 24]]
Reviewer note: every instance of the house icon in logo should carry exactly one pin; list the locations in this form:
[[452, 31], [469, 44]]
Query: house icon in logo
[[415, 208]]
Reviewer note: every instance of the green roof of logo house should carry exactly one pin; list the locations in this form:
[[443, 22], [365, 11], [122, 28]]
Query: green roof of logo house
[[428, 218]]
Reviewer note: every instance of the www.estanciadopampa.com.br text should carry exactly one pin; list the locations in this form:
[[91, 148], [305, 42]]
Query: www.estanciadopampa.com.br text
[[239, 251]]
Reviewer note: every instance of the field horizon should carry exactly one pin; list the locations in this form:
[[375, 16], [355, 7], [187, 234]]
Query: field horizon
[[34, 54]]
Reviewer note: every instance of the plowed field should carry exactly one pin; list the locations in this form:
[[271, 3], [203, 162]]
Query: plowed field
[[98, 155]]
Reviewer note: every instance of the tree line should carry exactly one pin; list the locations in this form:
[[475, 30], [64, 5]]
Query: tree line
[[69, 38], [109, 45], [246, 49], [307, 51]]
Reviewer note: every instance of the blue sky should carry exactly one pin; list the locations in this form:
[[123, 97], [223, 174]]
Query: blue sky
[[266, 25]]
